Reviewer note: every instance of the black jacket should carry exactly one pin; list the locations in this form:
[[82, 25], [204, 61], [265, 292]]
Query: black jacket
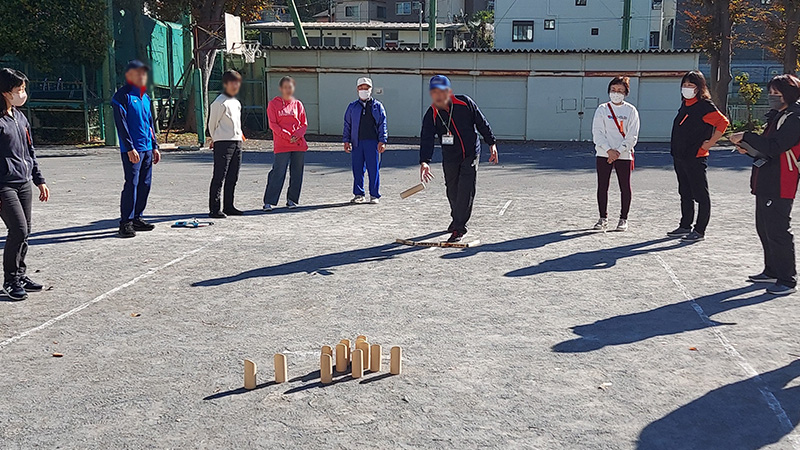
[[17, 158], [776, 175], [689, 130], [466, 122]]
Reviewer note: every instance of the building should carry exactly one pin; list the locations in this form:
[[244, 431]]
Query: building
[[584, 24], [358, 34]]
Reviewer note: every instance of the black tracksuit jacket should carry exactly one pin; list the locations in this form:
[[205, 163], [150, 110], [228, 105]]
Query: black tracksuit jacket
[[777, 177], [467, 122], [17, 158]]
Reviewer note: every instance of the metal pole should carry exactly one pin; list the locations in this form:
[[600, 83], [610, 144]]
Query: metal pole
[[85, 104], [298, 26], [419, 9], [109, 79], [432, 24], [626, 25]]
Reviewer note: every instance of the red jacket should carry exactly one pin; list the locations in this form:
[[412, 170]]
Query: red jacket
[[287, 120]]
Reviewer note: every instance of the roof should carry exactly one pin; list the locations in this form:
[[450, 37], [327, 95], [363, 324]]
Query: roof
[[484, 50], [352, 25]]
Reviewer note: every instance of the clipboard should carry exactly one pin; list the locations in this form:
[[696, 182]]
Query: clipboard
[[752, 151]]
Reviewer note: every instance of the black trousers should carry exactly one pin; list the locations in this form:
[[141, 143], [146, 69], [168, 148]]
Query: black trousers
[[623, 168], [227, 162], [774, 227], [15, 209], [460, 179], [693, 187]]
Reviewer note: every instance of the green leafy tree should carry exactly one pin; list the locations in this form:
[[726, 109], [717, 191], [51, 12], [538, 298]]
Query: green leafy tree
[[481, 27], [47, 32], [781, 20], [750, 93]]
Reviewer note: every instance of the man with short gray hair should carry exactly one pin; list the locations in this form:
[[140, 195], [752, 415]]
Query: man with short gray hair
[[365, 136]]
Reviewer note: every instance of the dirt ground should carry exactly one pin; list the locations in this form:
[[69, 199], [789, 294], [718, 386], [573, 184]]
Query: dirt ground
[[547, 336]]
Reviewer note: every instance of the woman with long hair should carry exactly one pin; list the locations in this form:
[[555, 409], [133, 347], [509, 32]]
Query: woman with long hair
[[697, 127], [18, 167]]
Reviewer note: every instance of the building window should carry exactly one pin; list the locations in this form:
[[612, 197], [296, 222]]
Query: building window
[[550, 24], [403, 8], [329, 41], [374, 42], [580, 2], [345, 42], [595, 31], [655, 40], [352, 11], [522, 31], [381, 13]]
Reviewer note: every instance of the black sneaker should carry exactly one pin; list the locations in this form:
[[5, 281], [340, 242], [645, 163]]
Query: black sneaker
[[141, 225], [233, 212], [126, 230], [14, 290], [30, 285], [217, 215], [762, 278], [455, 237], [679, 232], [779, 289], [694, 236]]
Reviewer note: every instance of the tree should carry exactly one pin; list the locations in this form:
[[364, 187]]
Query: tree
[[46, 32], [750, 93], [711, 24], [781, 21], [481, 27]]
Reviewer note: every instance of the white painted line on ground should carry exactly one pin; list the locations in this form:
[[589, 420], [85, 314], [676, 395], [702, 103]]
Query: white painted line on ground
[[505, 207], [100, 297], [769, 397]]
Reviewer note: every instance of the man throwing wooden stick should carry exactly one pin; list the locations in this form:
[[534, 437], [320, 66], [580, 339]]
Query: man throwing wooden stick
[[456, 120]]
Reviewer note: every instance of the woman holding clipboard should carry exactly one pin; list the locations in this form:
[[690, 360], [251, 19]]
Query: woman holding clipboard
[[774, 180], [615, 131]]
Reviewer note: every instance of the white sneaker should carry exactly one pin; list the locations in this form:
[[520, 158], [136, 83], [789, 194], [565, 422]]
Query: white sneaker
[[291, 205], [267, 208], [601, 224], [359, 199], [374, 200], [622, 225]]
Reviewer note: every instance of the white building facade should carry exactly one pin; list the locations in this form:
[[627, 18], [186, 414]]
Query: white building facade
[[584, 24]]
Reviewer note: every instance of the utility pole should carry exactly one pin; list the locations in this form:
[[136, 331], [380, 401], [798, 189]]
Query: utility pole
[[420, 10], [109, 72], [626, 25], [432, 23], [298, 26]]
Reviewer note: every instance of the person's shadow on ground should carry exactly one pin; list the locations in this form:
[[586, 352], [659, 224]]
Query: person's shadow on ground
[[664, 321], [521, 244], [322, 264], [596, 259], [741, 416]]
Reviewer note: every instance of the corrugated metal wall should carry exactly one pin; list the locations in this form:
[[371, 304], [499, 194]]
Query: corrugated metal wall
[[532, 96]]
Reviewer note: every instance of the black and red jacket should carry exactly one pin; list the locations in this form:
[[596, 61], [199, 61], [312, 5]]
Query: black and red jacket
[[779, 172], [467, 121], [695, 123]]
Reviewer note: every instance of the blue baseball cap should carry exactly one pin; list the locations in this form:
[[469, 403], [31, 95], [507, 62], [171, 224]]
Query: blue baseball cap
[[440, 82], [136, 64]]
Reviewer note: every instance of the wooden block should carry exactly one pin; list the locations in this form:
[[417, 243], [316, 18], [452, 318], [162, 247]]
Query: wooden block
[[346, 342], [364, 347], [474, 243], [281, 368], [409, 192], [325, 368], [375, 358], [396, 364], [361, 338], [357, 366], [341, 358], [327, 350], [250, 370]]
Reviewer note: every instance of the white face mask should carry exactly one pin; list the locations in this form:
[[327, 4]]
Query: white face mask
[[688, 93], [18, 98], [616, 97], [365, 95]]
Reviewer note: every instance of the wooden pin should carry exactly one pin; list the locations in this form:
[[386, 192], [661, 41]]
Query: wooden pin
[[327, 350], [341, 358], [346, 342], [326, 368], [357, 364], [281, 369], [364, 347], [361, 338], [250, 370], [375, 358], [396, 364]]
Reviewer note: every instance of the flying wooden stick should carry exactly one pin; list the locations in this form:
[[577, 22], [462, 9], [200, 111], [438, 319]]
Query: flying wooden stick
[[409, 192]]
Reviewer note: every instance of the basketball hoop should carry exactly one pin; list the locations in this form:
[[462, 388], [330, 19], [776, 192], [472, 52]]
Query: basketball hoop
[[251, 50]]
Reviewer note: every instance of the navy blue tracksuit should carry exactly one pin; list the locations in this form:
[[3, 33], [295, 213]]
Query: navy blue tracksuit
[[136, 131], [364, 127]]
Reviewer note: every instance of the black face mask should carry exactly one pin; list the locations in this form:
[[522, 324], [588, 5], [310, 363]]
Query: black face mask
[[776, 102]]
